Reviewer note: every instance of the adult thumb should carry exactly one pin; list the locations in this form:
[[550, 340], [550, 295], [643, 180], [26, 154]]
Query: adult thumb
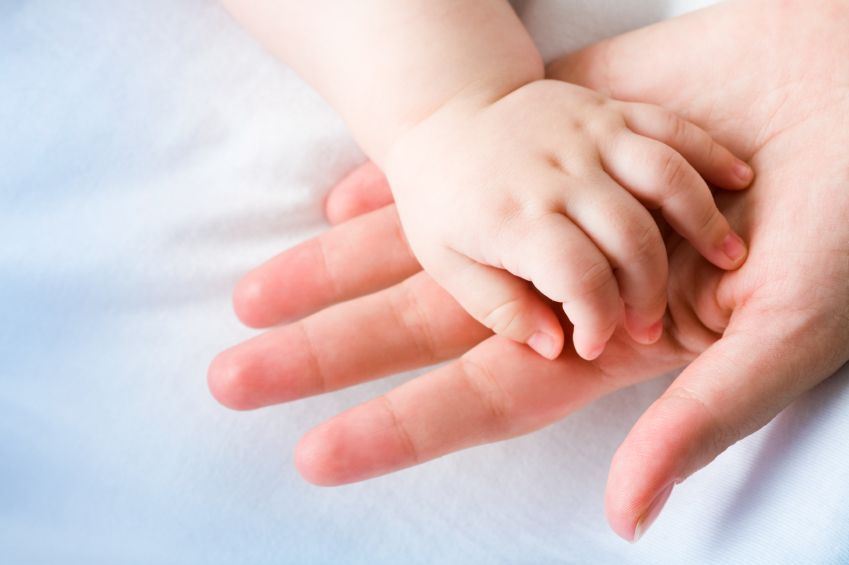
[[760, 365]]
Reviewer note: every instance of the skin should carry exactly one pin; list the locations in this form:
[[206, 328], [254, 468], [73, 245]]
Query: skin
[[752, 340], [550, 185], [511, 188]]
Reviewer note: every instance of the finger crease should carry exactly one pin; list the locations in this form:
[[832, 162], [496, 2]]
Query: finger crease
[[319, 376], [718, 440], [403, 435], [488, 391], [410, 315], [330, 276]]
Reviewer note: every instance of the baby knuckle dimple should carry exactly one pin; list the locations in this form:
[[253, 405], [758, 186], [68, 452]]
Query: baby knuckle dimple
[[608, 126], [503, 219], [596, 99]]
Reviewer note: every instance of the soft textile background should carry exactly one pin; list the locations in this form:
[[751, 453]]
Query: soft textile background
[[150, 153]]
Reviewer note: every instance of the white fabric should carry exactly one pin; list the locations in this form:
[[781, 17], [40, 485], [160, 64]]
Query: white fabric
[[150, 154]]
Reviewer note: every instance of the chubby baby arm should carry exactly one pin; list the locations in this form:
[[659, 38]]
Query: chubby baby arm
[[507, 185]]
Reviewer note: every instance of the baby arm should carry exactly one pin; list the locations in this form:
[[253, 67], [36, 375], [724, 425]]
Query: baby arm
[[503, 179]]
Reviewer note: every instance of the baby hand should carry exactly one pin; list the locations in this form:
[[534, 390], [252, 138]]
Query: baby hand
[[548, 190]]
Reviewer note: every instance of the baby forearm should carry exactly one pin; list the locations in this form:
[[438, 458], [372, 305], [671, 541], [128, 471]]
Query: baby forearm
[[387, 64]]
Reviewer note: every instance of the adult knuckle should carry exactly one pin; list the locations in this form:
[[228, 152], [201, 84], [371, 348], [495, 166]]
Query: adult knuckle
[[410, 315], [719, 434], [401, 431], [495, 404]]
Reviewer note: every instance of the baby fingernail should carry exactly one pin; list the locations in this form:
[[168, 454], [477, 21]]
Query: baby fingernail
[[543, 344], [654, 332], [733, 247], [743, 171], [647, 335], [651, 513], [595, 352]]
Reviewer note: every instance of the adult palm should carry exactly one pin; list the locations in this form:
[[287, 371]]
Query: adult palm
[[768, 79]]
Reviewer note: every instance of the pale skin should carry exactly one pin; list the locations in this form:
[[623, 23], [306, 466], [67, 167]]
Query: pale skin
[[510, 188], [753, 340]]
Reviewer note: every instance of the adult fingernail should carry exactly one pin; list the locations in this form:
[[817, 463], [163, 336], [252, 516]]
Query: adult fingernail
[[651, 513], [744, 172], [543, 344], [733, 247]]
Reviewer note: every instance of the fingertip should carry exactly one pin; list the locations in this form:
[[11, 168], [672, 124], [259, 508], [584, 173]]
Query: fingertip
[[250, 302], [226, 379], [654, 332], [363, 190], [664, 447], [338, 208], [591, 352], [359, 444], [651, 513], [625, 504], [546, 345], [735, 250], [548, 340], [591, 345], [286, 287], [623, 520], [637, 491], [730, 172], [646, 335], [311, 460], [743, 173], [345, 202], [640, 331]]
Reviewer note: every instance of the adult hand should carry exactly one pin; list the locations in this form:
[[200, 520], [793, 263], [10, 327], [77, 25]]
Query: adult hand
[[767, 80]]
